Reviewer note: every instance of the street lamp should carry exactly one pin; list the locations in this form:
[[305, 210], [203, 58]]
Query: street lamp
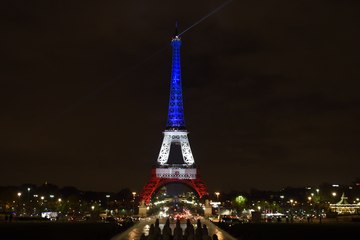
[[217, 195], [19, 202], [107, 203], [134, 195]]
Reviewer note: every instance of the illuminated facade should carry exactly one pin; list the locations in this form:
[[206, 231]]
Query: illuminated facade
[[344, 207], [175, 136]]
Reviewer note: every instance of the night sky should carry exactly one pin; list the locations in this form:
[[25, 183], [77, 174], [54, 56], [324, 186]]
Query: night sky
[[271, 91]]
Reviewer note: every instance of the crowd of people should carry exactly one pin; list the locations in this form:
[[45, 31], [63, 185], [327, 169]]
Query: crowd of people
[[200, 233]]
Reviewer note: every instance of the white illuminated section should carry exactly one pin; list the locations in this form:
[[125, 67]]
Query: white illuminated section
[[175, 137], [177, 173]]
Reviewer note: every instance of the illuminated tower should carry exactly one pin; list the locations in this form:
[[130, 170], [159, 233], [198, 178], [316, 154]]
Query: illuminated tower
[[175, 141]]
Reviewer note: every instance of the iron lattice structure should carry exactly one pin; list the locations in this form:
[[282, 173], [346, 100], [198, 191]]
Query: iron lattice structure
[[176, 119], [175, 133], [171, 137], [156, 183]]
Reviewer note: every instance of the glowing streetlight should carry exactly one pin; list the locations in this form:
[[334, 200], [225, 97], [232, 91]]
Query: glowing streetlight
[[217, 195], [333, 194], [134, 195], [19, 194], [59, 200], [92, 207]]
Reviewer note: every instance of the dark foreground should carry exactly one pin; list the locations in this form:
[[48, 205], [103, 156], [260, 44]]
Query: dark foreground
[[60, 231], [296, 231], [247, 231]]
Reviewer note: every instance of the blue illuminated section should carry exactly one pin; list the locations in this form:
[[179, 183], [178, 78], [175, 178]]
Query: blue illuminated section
[[176, 118]]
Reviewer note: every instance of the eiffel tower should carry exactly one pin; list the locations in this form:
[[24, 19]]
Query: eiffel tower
[[175, 163]]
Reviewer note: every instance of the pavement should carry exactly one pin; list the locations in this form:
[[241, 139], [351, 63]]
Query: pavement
[[143, 226]]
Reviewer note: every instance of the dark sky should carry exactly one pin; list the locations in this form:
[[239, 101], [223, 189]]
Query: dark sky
[[271, 91]]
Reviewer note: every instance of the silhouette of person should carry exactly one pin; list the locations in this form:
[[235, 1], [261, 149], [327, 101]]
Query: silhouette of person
[[191, 236], [178, 233], [189, 230], [157, 230], [205, 231], [198, 232], [143, 237], [166, 232], [215, 237], [151, 232]]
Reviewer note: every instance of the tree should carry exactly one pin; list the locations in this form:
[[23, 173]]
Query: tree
[[239, 203]]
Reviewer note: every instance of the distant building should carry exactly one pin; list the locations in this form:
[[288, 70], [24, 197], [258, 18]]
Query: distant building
[[344, 207]]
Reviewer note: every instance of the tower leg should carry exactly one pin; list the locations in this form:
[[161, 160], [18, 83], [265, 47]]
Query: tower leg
[[155, 183]]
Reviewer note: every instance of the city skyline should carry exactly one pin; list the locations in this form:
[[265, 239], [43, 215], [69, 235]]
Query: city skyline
[[270, 92]]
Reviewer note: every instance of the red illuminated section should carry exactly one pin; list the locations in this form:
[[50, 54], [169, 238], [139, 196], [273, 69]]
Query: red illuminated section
[[156, 182]]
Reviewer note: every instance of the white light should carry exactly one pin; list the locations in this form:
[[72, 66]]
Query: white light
[[175, 137], [335, 185], [59, 200], [51, 196], [19, 194], [107, 196]]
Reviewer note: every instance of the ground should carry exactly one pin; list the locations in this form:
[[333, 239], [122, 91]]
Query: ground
[[59, 231]]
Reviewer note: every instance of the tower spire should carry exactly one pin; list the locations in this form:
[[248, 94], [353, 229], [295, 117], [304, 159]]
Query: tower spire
[[176, 29], [176, 120]]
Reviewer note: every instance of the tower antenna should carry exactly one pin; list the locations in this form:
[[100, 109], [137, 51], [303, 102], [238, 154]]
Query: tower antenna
[[176, 29]]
